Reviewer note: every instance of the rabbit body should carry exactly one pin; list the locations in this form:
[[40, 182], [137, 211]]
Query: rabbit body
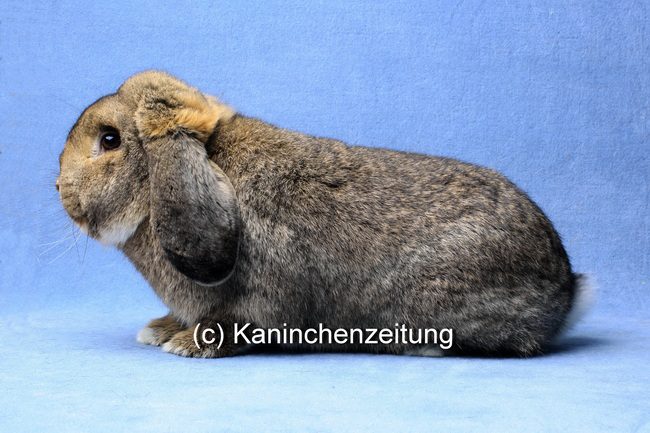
[[351, 237]]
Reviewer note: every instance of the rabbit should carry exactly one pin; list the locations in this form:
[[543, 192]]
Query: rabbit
[[232, 220]]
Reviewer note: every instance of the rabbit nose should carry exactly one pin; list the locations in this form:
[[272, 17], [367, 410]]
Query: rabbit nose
[[57, 184]]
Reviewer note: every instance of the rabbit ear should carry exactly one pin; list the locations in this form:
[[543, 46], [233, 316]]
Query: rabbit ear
[[193, 206], [165, 105], [194, 210]]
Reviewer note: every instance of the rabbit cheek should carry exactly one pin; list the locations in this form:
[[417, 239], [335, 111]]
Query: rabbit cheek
[[114, 203], [121, 217], [115, 226]]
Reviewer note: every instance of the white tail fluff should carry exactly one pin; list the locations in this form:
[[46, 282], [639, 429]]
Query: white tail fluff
[[583, 300]]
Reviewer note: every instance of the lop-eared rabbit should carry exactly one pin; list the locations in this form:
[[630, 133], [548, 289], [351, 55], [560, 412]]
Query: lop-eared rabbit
[[233, 221]]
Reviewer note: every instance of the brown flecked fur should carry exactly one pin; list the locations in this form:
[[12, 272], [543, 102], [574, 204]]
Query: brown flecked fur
[[231, 219]]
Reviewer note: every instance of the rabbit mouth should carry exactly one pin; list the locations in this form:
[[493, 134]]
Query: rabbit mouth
[[79, 220], [76, 215], [82, 223]]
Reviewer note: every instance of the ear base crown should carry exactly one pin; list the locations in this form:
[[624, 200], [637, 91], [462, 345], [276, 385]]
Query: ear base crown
[[166, 105]]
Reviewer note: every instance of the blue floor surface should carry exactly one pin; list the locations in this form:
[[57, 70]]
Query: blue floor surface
[[82, 370]]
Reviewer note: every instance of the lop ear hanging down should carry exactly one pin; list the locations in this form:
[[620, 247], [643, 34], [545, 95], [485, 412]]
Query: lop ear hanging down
[[194, 210]]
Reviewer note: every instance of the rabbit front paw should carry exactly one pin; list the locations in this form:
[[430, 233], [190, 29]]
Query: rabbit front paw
[[183, 344], [159, 331]]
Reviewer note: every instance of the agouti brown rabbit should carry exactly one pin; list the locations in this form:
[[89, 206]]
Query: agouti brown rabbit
[[233, 220]]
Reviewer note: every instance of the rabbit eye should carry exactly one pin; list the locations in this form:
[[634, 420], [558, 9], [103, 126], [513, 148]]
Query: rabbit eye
[[110, 140]]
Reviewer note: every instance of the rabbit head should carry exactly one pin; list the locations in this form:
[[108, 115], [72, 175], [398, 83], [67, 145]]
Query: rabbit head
[[104, 180]]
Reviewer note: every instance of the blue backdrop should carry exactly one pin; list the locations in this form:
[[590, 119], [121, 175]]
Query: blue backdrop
[[555, 95]]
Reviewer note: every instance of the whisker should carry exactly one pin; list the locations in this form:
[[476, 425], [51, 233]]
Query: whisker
[[50, 248], [61, 255], [75, 237], [85, 248], [58, 241]]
